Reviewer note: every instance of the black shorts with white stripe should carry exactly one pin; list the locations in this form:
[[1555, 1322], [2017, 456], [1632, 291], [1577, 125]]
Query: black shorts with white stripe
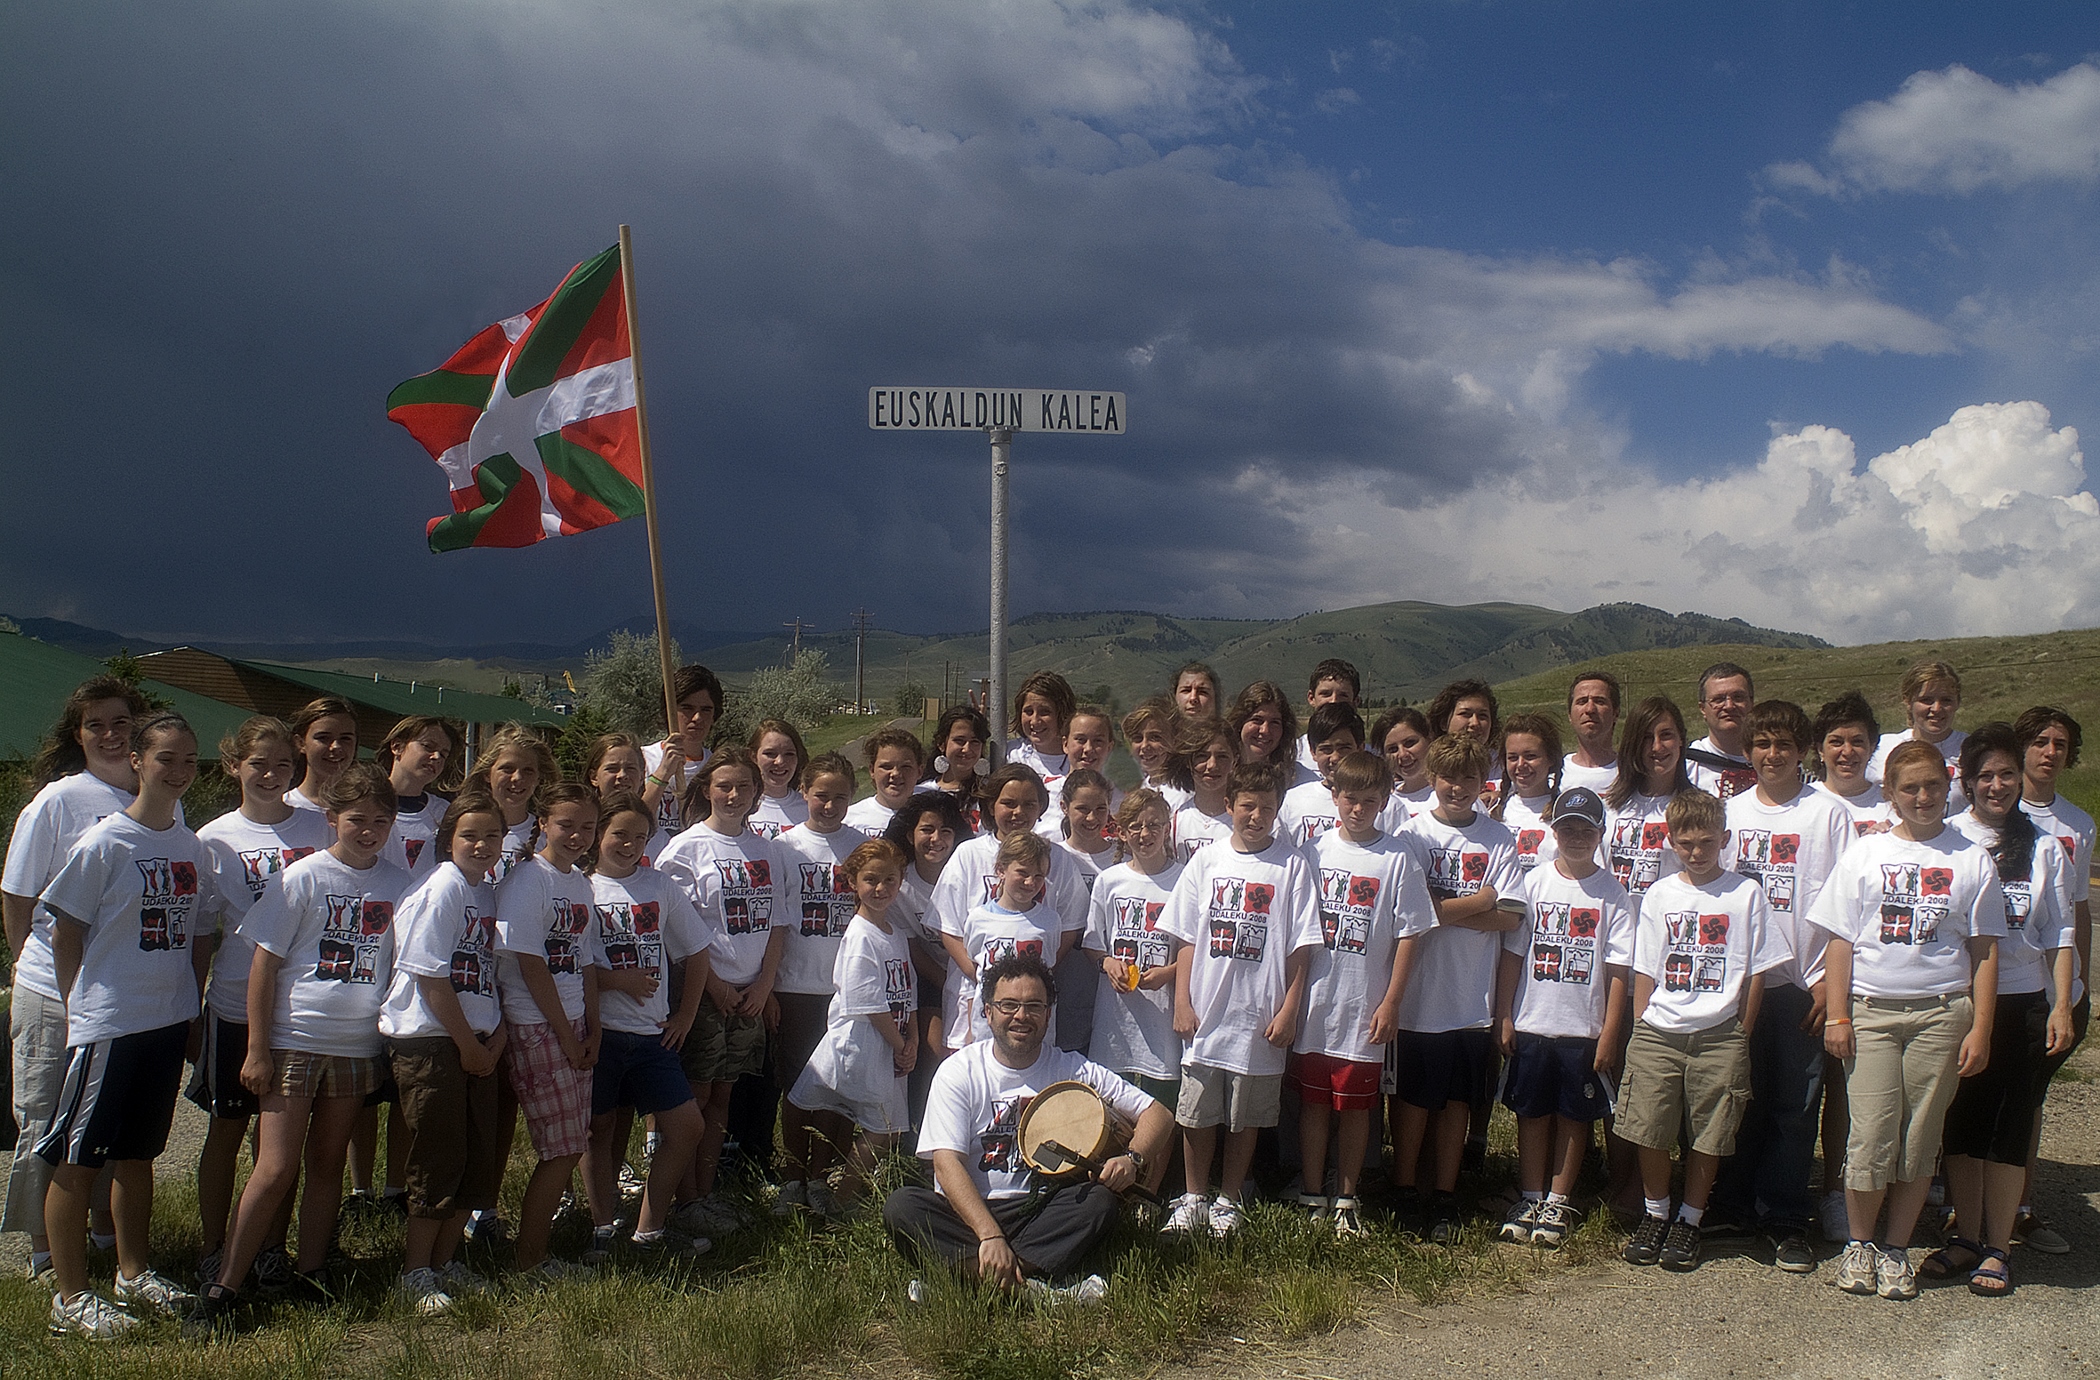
[[118, 1100], [215, 1079]]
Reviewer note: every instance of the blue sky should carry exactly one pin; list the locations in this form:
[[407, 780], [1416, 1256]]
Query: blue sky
[[1775, 311]]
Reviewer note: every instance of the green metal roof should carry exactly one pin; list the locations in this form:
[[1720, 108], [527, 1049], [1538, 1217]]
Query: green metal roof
[[36, 677], [411, 697]]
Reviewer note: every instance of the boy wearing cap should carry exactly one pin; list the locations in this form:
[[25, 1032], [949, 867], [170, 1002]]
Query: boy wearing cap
[[1702, 944], [1786, 838], [1560, 1016]]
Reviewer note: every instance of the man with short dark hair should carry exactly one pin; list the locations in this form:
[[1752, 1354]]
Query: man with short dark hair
[[986, 1214], [1719, 763]]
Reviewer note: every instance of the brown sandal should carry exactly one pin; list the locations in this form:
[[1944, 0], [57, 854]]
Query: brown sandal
[[1992, 1284]]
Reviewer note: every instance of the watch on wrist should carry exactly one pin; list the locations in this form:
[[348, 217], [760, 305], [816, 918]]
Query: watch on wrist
[[1137, 1159]]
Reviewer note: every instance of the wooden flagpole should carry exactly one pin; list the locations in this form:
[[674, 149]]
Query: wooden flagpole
[[641, 424]]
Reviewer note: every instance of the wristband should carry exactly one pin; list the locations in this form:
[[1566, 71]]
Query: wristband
[[659, 780], [1837, 1020], [988, 1240]]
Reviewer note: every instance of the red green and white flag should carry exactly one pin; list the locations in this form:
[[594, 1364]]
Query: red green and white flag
[[533, 419]]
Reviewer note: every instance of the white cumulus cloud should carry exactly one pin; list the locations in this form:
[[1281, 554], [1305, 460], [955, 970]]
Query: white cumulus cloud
[[1983, 526], [1958, 131]]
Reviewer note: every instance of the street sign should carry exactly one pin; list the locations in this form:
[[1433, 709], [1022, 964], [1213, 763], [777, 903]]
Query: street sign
[[996, 409]]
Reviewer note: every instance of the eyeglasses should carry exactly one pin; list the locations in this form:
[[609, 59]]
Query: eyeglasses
[[1020, 1008]]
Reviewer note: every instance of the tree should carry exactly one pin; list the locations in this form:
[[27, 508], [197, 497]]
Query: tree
[[625, 684], [910, 700], [803, 694], [573, 745]]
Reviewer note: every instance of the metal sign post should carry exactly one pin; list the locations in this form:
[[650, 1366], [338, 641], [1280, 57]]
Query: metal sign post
[[999, 413]]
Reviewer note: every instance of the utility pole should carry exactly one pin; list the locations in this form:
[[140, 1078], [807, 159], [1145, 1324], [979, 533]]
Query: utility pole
[[795, 647], [861, 618]]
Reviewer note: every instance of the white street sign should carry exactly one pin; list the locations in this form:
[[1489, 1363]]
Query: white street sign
[[986, 409]]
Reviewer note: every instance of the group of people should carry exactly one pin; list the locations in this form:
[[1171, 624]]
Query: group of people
[[1716, 947]]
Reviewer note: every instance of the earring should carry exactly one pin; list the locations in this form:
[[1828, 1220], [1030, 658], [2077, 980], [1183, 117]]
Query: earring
[[984, 766], [940, 764]]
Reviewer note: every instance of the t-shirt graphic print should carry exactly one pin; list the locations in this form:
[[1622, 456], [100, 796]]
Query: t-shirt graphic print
[[747, 894], [1239, 918], [1769, 859], [167, 895], [1134, 936], [351, 937], [1914, 901], [1564, 942], [1696, 951], [1347, 903], [473, 971]]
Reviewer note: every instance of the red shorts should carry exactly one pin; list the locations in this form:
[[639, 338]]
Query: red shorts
[[1345, 1085]]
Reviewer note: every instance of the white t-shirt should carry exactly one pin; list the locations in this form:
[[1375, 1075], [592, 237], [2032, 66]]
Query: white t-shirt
[[1244, 914], [334, 928], [1789, 850], [1453, 984], [668, 805], [1702, 945], [736, 882], [852, 1069], [1045, 765], [1091, 865], [1950, 748], [1573, 933], [520, 841], [1525, 818], [645, 924], [974, 1109], [1637, 845], [546, 913], [1372, 896], [1908, 909], [2072, 828], [408, 844], [1193, 829], [819, 904], [1175, 796], [1598, 779], [969, 881], [244, 856], [2038, 914], [1404, 806], [912, 911], [993, 932], [140, 892], [45, 833], [446, 928], [869, 816], [1307, 813], [776, 814], [1726, 783], [1133, 1031], [1867, 812]]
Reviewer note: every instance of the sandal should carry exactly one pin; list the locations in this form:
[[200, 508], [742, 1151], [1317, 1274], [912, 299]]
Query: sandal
[[1992, 1284], [1941, 1264]]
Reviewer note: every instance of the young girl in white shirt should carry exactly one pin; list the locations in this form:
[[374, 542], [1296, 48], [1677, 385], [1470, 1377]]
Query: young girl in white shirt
[[1651, 770], [514, 766], [1042, 707], [324, 734], [1931, 695], [927, 829], [1265, 726], [1019, 918], [416, 756], [1403, 736], [1149, 731], [1531, 767], [781, 757], [614, 766], [1846, 733], [1209, 750]]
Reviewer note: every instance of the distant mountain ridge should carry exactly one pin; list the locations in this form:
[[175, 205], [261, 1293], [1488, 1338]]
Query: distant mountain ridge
[[1404, 649]]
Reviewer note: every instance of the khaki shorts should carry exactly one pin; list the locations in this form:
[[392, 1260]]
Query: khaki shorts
[[301, 1073], [1702, 1079], [1220, 1097], [722, 1048], [1899, 1082]]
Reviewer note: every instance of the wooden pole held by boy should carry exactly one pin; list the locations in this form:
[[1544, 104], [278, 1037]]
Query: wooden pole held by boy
[[641, 425]]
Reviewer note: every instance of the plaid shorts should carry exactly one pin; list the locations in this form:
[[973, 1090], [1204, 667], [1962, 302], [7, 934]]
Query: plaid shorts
[[555, 1098], [302, 1073]]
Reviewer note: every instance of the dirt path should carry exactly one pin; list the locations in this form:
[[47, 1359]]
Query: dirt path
[[1737, 1316]]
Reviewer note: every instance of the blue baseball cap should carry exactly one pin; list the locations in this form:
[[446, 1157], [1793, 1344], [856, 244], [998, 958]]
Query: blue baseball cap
[[1580, 803]]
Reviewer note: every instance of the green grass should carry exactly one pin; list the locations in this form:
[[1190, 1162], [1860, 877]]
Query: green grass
[[781, 1298]]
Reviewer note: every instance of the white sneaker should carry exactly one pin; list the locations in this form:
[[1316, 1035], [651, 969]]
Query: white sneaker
[[1347, 1217], [1523, 1216], [1893, 1276], [793, 1194], [424, 1290], [1225, 1217], [1092, 1289], [1856, 1268], [1836, 1226], [631, 1180], [89, 1315], [1188, 1214], [156, 1291]]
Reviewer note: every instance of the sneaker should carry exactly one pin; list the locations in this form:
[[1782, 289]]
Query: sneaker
[[208, 1268], [1893, 1276], [89, 1315], [632, 1180], [212, 1312], [2031, 1231], [1680, 1247], [665, 1244], [156, 1291], [1836, 1226], [793, 1194], [487, 1229], [1523, 1216], [1551, 1225], [274, 1271], [1856, 1268], [822, 1201], [1793, 1253], [424, 1290], [916, 1291], [709, 1216], [1644, 1247], [40, 1270], [1445, 1219], [460, 1280], [1317, 1206], [1092, 1289], [604, 1240], [1225, 1217], [1189, 1213], [1347, 1216]]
